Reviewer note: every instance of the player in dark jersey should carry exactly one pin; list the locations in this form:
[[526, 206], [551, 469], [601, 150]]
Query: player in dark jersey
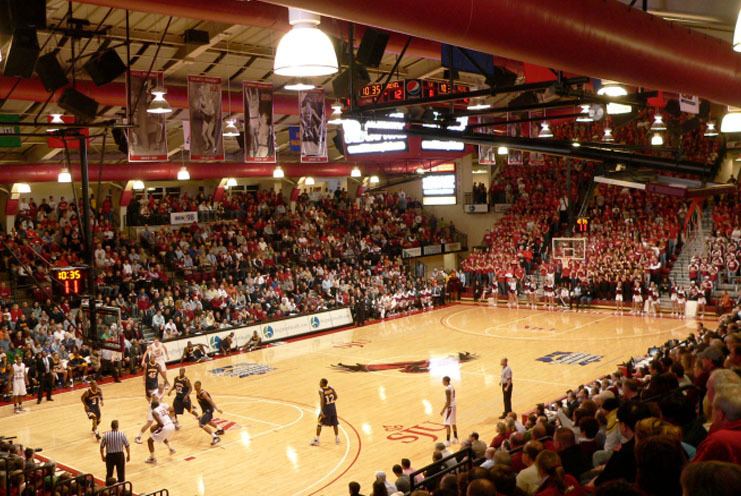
[[182, 387], [207, 407], [328, 415], [92, 398], [152, 371]]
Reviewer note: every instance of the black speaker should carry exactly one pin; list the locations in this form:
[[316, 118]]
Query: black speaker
[[119, 137], [503, 77], [51, 73], [341, 84], [341, 50], [672, 108], [196, 37], [372, 46], [22, 13], [339, 143], [104, 67], [21, 50], [81, 106]]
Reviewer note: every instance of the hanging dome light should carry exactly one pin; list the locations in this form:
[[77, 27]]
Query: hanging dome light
[[575, 144], [304, 51], [55, 119], [658, 124], [23, 188], [545, 131], [502, 150], [374, 180], [230, 182], [278, 172], [478, 105], [731, 122], [657, 140], [613, 89], [355, 172], [309, 181], [64, 176], [607, 137], [137, 185], [299, 86], [183, 174], [737, 34], [159, 105], [336, 117], [710, 130], [421, 171], [584, 116], [230, 128]]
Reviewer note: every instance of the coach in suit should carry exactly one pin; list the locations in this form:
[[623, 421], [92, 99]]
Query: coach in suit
[[44, 375]]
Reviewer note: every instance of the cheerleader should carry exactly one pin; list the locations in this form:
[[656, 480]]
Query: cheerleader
[[550, 295], [531, 291], [681, 302], [673, 299], [637, 299], [619, 298], [512, 293], [653, 299], [704, 290]]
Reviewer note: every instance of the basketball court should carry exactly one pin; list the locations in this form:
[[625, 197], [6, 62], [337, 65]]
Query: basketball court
[[389, 408]]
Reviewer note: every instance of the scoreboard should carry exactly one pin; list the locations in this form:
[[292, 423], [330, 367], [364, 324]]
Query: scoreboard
[[408, 89], [69, 281]]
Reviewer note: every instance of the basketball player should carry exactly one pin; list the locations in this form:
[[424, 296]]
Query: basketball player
[[207, 407], [152, 371], [162, 430], [158, 350], [182, 387], [154, 396], [449, 411], [20, 381], [92, 399], [328, 413]]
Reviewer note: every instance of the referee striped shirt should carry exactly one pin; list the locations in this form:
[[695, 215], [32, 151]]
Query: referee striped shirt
[[114, 441]]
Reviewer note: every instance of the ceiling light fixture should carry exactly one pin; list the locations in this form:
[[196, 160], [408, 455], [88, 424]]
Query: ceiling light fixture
[[336, 117], [658, 124], [309, 181], [731, 122], [478, 105], [137, 185], [304, 51], [230, 129], [159, 104], [612, 89], [607, 137], [230, 182], [585, 115], [657, 140], [55, 119], [23, 188], [374, 180], [502, 150], [710, 130], [183, 174], [545, 130], [278, 172], [355, 172], [575, 144], [64, 177], [421, 171], [299, 86], [737, 34]]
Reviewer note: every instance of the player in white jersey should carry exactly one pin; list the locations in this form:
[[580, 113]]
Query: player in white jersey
[[162, 430], [449, 411], [20, 381], [161, 356], [155, 396]]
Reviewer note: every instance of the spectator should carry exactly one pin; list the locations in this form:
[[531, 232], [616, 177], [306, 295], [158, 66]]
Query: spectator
[[555, 480], [724, 439], [402, 482], [711, 479], [529, 479], [659, 462]]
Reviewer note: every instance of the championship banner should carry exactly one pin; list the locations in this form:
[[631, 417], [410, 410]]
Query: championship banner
[[204, 102], [313, 126], [515, 156], [259, 133], [487, 153], [536, 158], [148, 138], [9, 132]]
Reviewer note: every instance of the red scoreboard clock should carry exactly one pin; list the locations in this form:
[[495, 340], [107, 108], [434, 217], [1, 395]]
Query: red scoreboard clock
[[69, 281], [582, 224]]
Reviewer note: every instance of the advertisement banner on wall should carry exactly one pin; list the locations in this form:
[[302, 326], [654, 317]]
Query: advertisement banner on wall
[[204, 102], [313, 121], [259, 132], [183, 217], [269, 332], [9, 131], [147, 140]]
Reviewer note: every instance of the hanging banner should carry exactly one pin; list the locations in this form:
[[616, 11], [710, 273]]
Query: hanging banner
[[9, 137], [148, 139], [204, 102], [259, 133], [487, 153], [515, 156], [294, 138], [186, 136], [689, 103], [536, 158], [73, 143], [313, 126]]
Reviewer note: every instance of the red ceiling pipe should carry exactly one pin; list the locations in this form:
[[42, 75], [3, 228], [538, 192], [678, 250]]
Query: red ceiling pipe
[[114, 94], [605, 39], [167, 171]]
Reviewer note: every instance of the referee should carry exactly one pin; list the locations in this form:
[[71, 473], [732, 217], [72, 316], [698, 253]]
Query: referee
[[113, 443]]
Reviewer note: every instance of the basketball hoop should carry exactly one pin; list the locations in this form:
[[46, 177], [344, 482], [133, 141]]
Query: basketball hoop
[[567, 249]]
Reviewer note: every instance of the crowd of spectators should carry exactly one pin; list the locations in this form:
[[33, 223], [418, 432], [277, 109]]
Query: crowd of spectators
[[666, 424]]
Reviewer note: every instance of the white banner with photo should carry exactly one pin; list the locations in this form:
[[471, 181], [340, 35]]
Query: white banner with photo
[[313, 120], [515, 156], [487, 153], [536, 158], [259, 132], [204, 102], [689, 103], [147, 140], [183, 217], [269, 332]]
